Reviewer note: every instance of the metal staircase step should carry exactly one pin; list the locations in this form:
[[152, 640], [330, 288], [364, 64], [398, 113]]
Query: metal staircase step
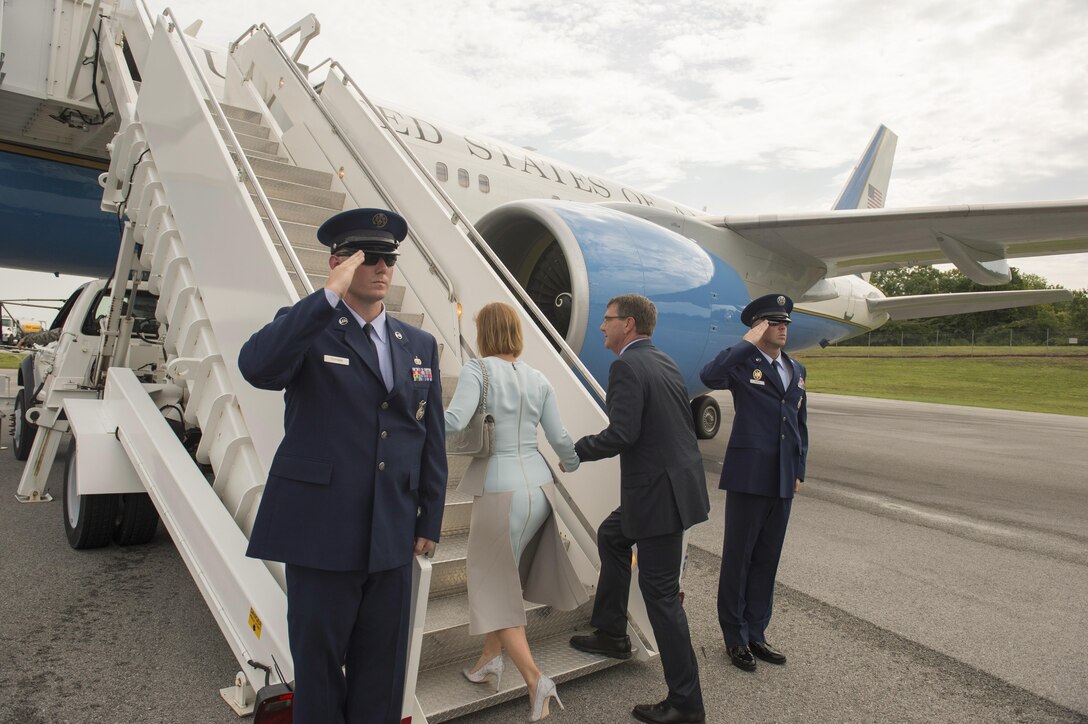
[[251, 155], [444, 692], [314, 263], [458, 512], [414, 320], [447, 639], [253, 143], [448, 565], [296, 212], [265, 168], [458, 464], [241, 114], [300, 235], [239, 126], [300, 193]]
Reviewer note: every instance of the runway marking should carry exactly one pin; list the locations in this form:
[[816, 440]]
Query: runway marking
[[1007, 536]]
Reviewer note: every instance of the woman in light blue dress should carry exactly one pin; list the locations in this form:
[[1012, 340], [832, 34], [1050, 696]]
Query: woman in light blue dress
[[514, 548]]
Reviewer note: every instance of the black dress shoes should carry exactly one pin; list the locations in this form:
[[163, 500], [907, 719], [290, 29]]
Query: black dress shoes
[[603, 643], [742, 658], [768, 653], [666, 713]]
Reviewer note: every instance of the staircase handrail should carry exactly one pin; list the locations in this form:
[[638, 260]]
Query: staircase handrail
[[334, 125], [457, 217], [303, 277]]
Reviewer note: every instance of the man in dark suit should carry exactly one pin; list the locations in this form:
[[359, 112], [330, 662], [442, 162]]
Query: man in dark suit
[[662, 494], [359, 482], [764, 466]]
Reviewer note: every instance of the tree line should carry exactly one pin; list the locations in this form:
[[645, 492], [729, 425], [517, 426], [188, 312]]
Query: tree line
[[1038, 324]]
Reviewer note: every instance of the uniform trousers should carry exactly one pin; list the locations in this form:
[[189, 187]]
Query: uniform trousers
[[349, 639], [755, 527], [659, 560]]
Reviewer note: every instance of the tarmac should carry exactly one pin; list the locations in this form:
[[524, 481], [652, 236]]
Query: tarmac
[[936, 569]]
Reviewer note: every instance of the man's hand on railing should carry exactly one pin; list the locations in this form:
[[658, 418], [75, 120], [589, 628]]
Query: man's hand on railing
[[424, 547]]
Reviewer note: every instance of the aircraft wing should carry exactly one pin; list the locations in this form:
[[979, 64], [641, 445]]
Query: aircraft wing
[[920, 306], [977, 239]]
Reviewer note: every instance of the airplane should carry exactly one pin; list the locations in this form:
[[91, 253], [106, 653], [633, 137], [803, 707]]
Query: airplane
[[573, 238]]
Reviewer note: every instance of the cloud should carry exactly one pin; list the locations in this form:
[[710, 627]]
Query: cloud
[[987, 96]]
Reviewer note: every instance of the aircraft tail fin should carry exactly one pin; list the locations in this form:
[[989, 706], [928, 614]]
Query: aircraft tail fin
[[868, 184], [921, 306]]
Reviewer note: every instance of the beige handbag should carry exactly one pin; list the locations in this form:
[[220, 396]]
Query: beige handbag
[[478, 437]]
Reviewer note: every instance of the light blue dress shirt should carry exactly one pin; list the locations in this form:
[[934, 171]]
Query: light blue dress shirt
[[380, 337]]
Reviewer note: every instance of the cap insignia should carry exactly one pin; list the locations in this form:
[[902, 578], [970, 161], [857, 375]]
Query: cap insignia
[[380, 220], [781, 300]]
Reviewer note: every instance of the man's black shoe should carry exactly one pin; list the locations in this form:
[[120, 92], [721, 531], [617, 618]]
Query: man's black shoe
[[768, 653], [666, 713], [603, 643], [742, 658]]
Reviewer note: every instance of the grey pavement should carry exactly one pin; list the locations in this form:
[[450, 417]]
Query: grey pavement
[[934, 570]]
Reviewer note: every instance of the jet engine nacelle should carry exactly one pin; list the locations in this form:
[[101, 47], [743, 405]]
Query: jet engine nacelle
[[572, 258]]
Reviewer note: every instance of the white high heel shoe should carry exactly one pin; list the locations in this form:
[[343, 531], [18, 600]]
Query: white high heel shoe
[[545, 690], [491, 670]]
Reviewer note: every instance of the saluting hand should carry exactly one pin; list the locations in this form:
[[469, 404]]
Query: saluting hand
[[343, 272], [755, 334]]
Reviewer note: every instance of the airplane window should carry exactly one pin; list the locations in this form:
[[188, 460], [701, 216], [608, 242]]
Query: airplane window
[[485, 184], [462, 178], [441, 172]]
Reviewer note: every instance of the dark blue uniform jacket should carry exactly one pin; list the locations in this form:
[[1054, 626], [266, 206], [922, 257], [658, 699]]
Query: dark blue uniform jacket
[[769, 441], [361, 472]]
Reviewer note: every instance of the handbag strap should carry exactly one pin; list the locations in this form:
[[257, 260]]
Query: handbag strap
[[482, 407]]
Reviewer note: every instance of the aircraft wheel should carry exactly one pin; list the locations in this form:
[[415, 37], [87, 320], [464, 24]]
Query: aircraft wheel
[[89, 520], [22, 432], [137, 520], [707, 416]]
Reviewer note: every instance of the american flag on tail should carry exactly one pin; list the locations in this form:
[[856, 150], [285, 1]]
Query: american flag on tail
[[876, 198]]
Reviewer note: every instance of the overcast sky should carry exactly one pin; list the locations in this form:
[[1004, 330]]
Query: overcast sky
[[738, 107]]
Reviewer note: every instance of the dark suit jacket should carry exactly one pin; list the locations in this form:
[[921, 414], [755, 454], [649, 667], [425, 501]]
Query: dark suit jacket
[[361, 472], [769, 442], [662, 485]]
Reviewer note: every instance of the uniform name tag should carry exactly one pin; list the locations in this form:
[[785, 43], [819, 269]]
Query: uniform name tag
[[421, 374], [757, 382], [336, 360]]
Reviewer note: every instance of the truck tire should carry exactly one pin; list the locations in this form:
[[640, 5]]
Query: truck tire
[[707, 416], [89, 520], [22, 432], [137, 520]]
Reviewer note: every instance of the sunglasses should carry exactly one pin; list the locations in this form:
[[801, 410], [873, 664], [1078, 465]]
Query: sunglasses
[[371, 257]]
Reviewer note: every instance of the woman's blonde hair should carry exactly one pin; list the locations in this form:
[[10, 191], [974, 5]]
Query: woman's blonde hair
[[498, 330]]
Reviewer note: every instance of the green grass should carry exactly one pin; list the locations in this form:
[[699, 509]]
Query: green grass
[[10, 360], [959, 351], [1057, 384]]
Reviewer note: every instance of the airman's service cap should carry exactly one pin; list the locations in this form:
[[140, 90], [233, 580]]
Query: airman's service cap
[[772, 307], [374, 230]]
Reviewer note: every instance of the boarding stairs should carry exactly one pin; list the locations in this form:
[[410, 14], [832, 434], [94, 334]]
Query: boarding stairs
[[225, 166]]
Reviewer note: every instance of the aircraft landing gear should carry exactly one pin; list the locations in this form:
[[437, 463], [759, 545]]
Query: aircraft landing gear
[[707, 416]]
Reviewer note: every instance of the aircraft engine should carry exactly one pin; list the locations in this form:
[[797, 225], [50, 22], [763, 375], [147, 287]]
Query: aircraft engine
[[572, 258]]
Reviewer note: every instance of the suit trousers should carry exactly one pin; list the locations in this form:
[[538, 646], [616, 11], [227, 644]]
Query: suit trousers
[[348, 632], [755, 528], [659, 561]]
